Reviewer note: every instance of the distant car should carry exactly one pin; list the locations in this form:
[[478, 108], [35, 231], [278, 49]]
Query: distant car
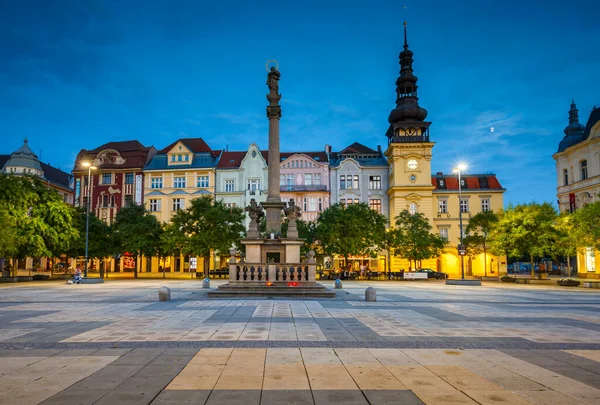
[[433, 274]]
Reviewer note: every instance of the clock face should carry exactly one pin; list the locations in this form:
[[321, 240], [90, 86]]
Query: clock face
[[412, 164]]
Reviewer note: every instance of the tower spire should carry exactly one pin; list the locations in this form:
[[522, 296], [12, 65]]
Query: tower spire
[[405, 40]]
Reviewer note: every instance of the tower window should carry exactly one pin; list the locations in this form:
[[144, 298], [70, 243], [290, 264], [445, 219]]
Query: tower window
[[566, 177], [583, 168]]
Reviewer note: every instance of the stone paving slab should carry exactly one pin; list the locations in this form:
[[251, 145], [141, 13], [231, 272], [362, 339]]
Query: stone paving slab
[[419, 343]]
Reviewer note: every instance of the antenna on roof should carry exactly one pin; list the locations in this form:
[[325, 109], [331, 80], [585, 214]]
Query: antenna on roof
[[227, 148]]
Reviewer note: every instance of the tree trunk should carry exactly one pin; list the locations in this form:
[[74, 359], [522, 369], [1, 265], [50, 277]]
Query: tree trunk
[[484, 261], [206, 265], [135, 269], [568, 266], [532, 269]]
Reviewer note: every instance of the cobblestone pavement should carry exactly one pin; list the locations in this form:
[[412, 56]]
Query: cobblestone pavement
[[421, 342]]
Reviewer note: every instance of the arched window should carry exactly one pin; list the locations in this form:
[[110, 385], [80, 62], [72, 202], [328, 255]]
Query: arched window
[[583, 169], [412, 208]]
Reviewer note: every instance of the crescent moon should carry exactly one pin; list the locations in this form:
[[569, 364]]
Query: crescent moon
[[272, 61]]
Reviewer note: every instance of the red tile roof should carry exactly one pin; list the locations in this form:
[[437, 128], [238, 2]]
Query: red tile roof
[[135, 154], [194, 144], [473, 182], [231, 160]]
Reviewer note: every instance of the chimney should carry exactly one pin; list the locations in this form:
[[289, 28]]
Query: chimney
[[327, 148], [439, 173], [379, 148]]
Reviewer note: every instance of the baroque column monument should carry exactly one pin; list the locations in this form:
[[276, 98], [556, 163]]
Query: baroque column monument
[[272, 265]]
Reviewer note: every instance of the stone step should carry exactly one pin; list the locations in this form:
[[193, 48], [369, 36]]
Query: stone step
[[271, 293]]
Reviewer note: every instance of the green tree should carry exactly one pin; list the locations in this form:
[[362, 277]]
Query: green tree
[[353, 230], [412, 239], [136, 230], [478, 231], [525, 230], [99, 243], [44, 223], [566, 240], [204, 227], [586, 225]]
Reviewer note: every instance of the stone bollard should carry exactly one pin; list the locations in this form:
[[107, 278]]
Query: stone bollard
[[164, 294], [206, 283], [370, 294], [338, 284]]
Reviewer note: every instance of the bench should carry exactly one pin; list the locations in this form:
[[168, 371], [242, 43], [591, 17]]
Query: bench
[[590, 284]]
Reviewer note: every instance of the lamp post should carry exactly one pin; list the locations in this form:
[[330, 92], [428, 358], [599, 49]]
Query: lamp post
[[87, 214], [459, 169]]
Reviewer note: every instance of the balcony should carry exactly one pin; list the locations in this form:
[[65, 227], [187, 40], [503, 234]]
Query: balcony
[[409, 139], [296, 188]]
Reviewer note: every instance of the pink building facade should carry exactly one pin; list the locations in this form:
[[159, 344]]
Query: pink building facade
[[304, 176]]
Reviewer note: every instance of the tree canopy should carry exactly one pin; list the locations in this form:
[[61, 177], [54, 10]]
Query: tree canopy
[[412, 239], [353, 230], [206, 226], [99, 244], [586, 226], [136, 230], [478, 230], [43, 224]]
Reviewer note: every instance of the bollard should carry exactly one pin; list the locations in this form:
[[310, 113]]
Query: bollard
[[337, 284], [370, 294], [206, 283], [164, 294]]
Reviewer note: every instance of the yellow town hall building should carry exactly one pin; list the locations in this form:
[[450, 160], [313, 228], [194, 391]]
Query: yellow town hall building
[[413, 187]]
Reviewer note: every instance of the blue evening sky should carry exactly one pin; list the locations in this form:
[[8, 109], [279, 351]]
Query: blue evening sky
[[76, 74]]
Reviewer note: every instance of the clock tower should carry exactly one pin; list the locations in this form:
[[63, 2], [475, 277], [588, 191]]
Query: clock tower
[[409, 149]]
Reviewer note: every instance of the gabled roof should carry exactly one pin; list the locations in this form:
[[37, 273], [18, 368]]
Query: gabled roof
[[358, 148], [230, 160], [122, 146], [473, 181], [363, 155], [199, 161], [320, 157], [193, 144]]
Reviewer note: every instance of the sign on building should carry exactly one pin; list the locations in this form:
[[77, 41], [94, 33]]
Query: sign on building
[[138, 189]]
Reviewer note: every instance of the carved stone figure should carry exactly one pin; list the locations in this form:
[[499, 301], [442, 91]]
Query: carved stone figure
[[273, 81], [255, 211], [292, 212]]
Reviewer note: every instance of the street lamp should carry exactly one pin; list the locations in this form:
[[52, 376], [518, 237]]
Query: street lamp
[[461, 167], [87, 214]]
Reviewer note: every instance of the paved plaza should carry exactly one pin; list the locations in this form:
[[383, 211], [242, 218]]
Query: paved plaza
[[421, 342]]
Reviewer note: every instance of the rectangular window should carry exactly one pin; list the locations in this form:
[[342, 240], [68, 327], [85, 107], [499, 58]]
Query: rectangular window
[[105, 201], [129, 178], [584, 171], [229, 186], [444, 233], [187, 158], [375, 205], [290, 181], [342, 182], [308, 179], [106, 178], [305, 204], [312, 204], [375, 182], [155, 205], [230, 205], [351, 201], [156, 182], [177, 204], [485, 204], [203, 181], [85, 181], [128, 200], [443, 206], [320, 204], [464, 205], [355, 185], [84, 203], [172, 158], [253, 186], [566, 177], [179, 182], [317, 178], [282, 180], [179, 158]]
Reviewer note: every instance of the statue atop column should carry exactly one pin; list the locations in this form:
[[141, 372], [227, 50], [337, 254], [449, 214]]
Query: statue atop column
[[273, 76], [292, 212], [255, 211]]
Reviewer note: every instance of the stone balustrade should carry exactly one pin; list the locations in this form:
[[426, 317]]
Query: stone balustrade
[[260, 273]]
